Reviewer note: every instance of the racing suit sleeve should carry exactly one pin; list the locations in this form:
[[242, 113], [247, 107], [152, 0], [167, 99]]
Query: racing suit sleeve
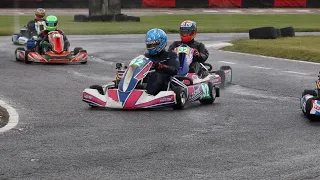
[[172, 64], [204, 53], [31, 28], [173, 45]]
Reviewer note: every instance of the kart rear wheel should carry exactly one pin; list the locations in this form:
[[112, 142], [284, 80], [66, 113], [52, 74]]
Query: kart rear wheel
[[213, 95], [76, 50], [223, 68], [181, 98], [26, 57], [223, 77], [309, 91], [19, 48]]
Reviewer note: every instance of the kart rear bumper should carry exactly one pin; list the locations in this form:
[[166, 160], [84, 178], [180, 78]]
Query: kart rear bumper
[[65, 57]]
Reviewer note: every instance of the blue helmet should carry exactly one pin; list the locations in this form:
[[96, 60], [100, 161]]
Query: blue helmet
[[156, 41]]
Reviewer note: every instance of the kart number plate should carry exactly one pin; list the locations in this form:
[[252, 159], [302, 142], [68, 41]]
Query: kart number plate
[[183, 50]]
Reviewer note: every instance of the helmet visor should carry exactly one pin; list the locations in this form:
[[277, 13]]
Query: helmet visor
[[51, 24], [185, 33], [153, 44]]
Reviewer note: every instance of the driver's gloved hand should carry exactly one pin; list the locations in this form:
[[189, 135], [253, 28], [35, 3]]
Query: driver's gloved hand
[[196, 55], [45, 44], [160, 66]]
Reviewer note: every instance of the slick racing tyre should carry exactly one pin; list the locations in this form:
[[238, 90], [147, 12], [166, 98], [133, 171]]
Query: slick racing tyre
[[181, 98], [76, 50], [223, 78], [229, 78], [212, 94], [287, 32], [308, 91]]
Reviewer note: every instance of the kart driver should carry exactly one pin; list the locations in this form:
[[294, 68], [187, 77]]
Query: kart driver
[[188, 31], [39, 16], [166, 63], [51, 25]]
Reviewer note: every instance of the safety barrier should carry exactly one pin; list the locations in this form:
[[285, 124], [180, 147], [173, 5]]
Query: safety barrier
[[165, 3]]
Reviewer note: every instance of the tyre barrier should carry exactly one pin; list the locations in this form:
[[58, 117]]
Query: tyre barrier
[[271, 32], [106, 18], [287, 32], [263, 33]]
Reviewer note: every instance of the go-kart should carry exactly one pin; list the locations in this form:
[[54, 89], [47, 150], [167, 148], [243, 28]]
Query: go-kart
[[56, 54], [24, 35], [128, 91], [310, 101]]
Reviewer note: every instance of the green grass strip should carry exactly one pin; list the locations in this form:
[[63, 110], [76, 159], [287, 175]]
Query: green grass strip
[[207, 23], [306, 48]]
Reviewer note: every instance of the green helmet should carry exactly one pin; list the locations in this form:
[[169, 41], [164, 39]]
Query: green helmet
[[51, 23]]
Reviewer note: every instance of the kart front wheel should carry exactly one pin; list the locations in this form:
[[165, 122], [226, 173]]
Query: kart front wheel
[[181, 98], [85, 51], [308, 91]]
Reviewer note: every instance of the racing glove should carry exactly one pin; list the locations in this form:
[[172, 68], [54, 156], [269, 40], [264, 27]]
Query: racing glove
[[45, 44], [196, 54], [160, 66]]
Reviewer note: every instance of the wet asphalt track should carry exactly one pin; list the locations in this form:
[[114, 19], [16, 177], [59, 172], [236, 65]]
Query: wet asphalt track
[[255, 130]]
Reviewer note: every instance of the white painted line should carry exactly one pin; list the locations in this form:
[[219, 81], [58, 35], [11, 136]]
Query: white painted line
[[20, 13], [293, 72], [302, 10], [274, 58], [218, 45], [234, 11], [279, 10], [210, 11], [258, 11], [169, 13], [13, 117], [260, 67], [227, 62]]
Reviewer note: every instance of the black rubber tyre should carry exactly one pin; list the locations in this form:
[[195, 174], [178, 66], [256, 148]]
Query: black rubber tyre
[[26, 61], [278, 32], [309, 91], [212, 92], [76, 50], [263, 33], [223, 68], [181, 98], [287, 32], [97, 87], [80, 18], [223, 78], [15, 52]]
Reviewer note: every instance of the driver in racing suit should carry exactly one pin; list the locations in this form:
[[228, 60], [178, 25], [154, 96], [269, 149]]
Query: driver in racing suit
[[188, 31], [39, 16], [166, 63], [51, 25]]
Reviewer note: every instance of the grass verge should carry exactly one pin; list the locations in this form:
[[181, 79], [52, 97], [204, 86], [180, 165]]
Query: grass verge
[[306, 48], [207, 23]]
